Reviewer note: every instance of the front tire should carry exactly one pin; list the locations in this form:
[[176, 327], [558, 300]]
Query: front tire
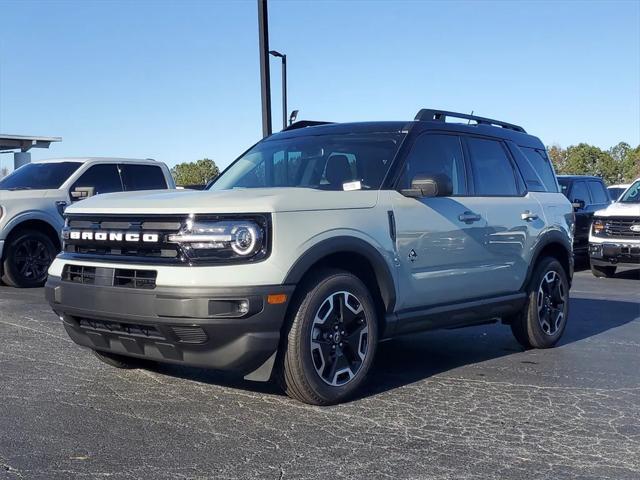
[[27, 258], [331, 340], [603, 271], [543, 319]]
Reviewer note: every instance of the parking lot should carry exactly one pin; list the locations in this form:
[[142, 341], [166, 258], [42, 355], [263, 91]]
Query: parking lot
[[466, 403]]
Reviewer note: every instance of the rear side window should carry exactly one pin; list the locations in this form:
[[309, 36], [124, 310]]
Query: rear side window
[[436, 155], [104, 178], [598, 192], [541, 164], [142, 177], [493, 173]]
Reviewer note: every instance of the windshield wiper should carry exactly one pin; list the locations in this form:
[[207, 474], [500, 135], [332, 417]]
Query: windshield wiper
[[19, 188]]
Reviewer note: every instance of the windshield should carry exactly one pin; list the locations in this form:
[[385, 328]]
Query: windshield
[[632, 195], [325, 162], [39, 176]]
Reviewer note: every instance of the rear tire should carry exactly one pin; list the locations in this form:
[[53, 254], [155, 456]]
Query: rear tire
[[543, 319], [27, 257], [331, 339], [603, 271]]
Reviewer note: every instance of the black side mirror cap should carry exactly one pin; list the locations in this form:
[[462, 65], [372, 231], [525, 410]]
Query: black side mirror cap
[[422, 186]]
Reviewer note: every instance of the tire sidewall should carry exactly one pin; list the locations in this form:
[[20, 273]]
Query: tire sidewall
[[10, 271], [538, 337], [306, 314]]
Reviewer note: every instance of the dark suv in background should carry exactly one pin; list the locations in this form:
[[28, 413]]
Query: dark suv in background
[[587, 195]]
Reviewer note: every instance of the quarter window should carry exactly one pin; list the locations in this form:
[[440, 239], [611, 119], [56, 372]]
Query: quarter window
[[542, 166], [436, 155], [493, 173]]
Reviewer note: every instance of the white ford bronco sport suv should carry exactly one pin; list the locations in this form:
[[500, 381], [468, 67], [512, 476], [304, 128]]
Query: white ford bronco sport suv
[[614, 238], [319, 242], [34, 197]]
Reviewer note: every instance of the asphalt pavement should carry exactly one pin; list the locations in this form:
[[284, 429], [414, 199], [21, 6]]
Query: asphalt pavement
[[467, 403]]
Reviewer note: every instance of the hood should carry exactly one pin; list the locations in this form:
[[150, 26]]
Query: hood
[[8, 195], [253, 200], [619, 209]]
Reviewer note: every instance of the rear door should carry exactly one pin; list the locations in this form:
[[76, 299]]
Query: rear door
[[440, 241], [514, 217]]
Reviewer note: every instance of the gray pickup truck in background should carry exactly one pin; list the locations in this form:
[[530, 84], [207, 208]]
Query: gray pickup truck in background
[[34, 197]]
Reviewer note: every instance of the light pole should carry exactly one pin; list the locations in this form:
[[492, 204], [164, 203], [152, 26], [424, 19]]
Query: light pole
[[265, 87], [283, 57]]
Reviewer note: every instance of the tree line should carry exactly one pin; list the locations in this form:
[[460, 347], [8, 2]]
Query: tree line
[[619, 164]]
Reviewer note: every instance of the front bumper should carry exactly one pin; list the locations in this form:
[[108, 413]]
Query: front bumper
[[181, 325], [614, 253]]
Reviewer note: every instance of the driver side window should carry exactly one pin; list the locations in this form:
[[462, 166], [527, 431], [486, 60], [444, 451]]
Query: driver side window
[[436, 154], [104, 178]]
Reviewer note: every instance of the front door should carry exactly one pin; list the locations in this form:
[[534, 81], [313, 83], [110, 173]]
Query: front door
[[440, 241]]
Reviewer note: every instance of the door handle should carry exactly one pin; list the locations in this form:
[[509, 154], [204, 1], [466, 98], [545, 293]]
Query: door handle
[[469, 217], [529, 216]]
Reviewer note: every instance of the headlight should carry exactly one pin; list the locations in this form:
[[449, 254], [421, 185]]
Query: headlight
[[598, 226], [224, 239]]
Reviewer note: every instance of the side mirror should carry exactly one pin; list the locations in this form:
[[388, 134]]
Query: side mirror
[[422, 186], [577, 204], [79, 193]]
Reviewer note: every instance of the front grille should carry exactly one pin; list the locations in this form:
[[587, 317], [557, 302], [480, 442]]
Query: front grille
[[145, 279], [79, 274], [158, 250], [190, 334], [134, 330], [621, 228], [110, 277]]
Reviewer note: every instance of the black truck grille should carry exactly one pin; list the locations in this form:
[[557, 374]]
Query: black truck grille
[[622, 228], [110, 277], [115, 243]]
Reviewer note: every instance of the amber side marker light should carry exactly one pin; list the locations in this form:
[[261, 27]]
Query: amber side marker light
[[276, 298]]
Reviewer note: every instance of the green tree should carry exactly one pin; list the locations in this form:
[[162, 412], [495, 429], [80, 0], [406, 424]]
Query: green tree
[[631, 164], [584, 159], [558, 156], [195, 173]]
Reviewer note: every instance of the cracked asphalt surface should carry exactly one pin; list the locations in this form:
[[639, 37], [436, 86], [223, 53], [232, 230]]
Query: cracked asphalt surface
[[466, 403]]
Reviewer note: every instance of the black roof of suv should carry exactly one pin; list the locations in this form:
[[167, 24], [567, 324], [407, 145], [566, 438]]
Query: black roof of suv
[[424, 120]]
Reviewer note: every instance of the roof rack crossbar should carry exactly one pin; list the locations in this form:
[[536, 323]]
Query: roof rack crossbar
[[427, 114], [304, 123]]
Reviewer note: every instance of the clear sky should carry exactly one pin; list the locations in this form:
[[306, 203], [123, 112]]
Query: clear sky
[[179, 80]]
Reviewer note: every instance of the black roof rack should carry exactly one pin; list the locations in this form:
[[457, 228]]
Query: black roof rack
[[304, 123], [441, 115]]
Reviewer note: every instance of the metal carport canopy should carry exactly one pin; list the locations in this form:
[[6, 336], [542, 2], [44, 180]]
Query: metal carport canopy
[[25, 142]]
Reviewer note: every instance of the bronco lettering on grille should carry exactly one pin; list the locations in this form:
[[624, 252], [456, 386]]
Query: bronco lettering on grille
[[104, 236]]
